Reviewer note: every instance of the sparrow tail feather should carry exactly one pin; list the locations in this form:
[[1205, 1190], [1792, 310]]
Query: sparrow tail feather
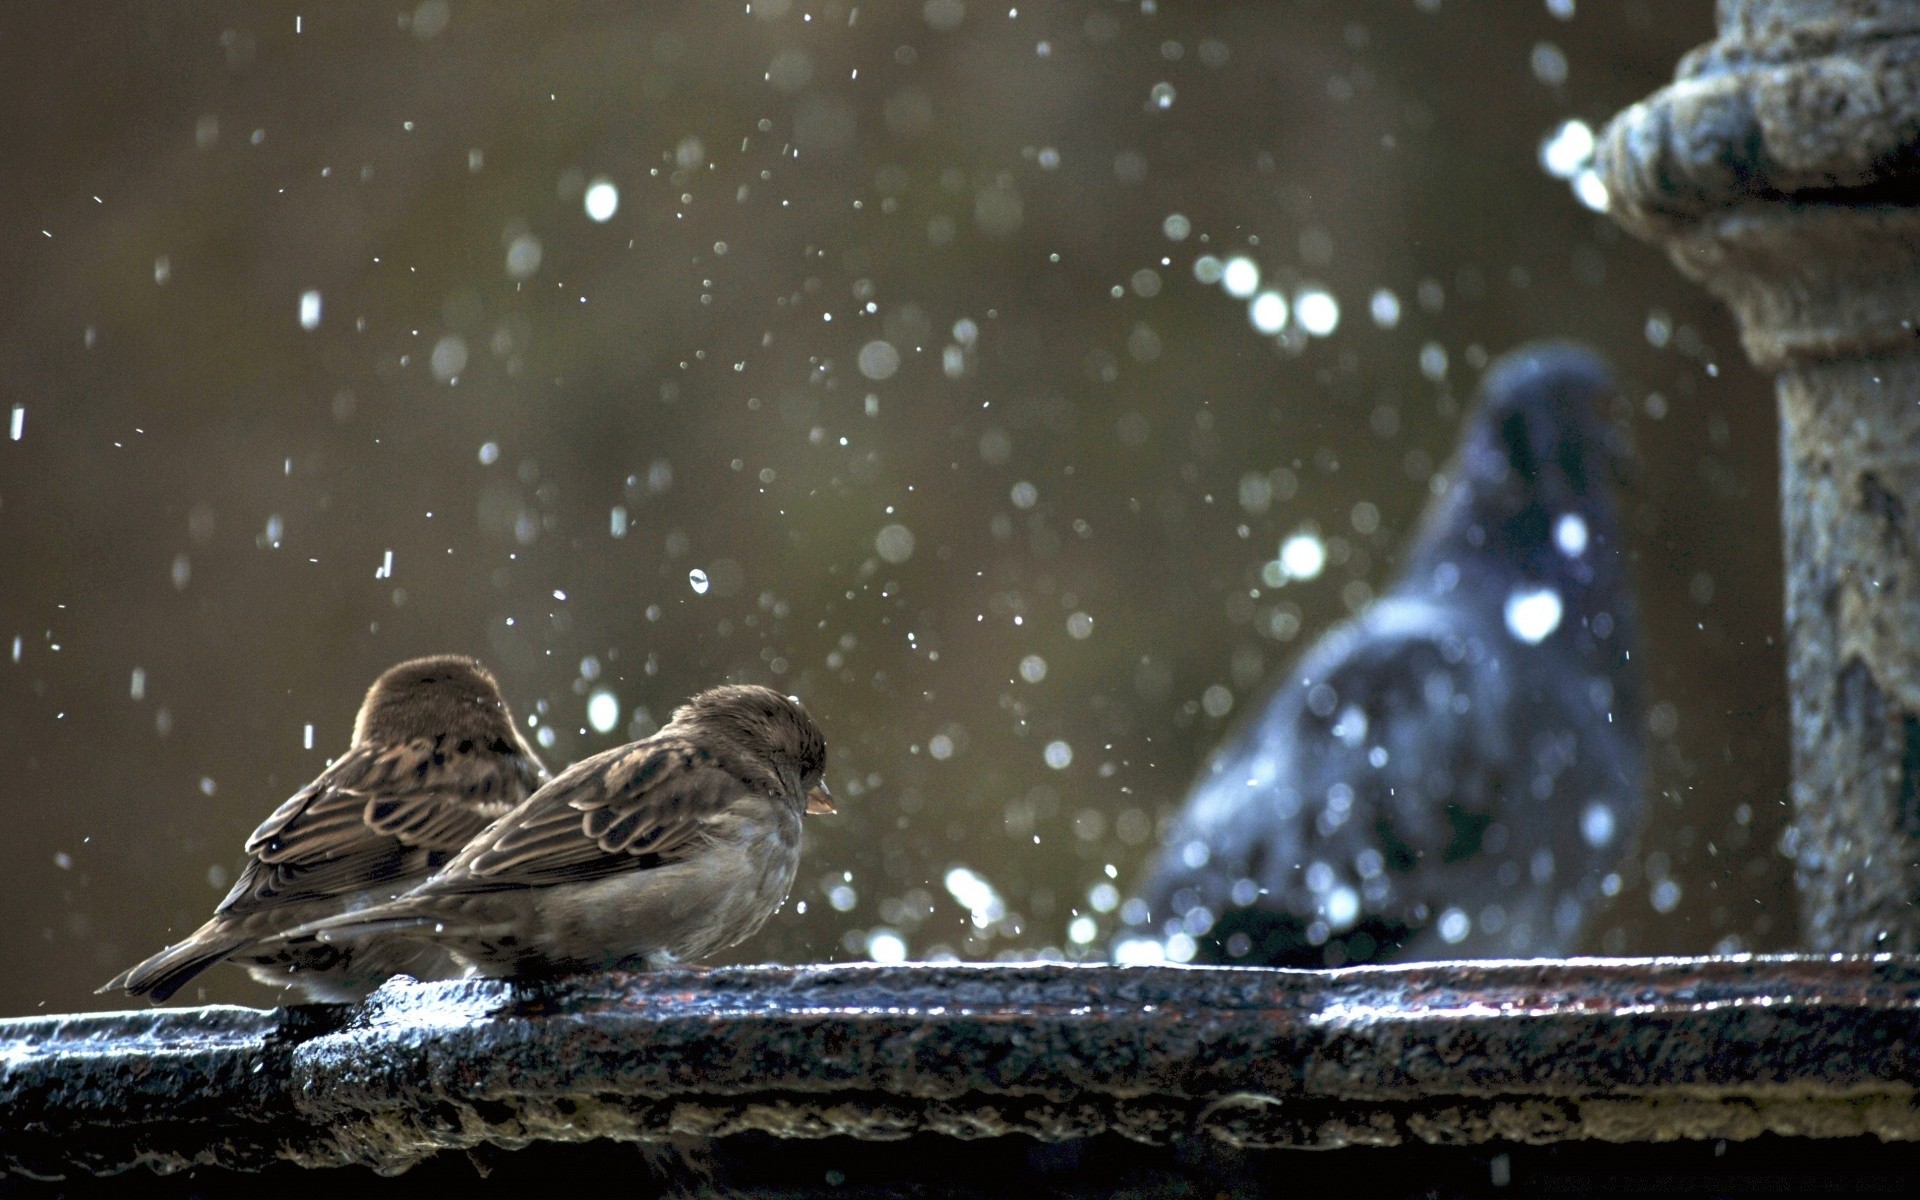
[[173, 968]]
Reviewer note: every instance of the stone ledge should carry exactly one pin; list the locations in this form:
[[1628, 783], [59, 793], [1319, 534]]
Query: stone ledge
[[1457, 1053]]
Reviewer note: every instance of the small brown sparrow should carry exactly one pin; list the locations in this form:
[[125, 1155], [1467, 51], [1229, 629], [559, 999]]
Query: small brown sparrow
[[435, 757], [665, 850]]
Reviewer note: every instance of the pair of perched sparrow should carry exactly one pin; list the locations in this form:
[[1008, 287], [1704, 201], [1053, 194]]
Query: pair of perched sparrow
[[438, 846]]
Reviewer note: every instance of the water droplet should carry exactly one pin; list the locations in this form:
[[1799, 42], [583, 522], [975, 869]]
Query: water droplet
[[1303, 556], [1318, 311], [1533, 613], [602, 200], [1591, 191], [698, 579], [449, 358], [879, 360], [894, 543], [1385, 308], [1139, 952], [523, 256], [1343, 908], [1240, 276], [1567, 150], [1570, 535], [1665, 897], [603, 711], [1268, 312], [886, 946], [1597, 825], [1549, 64]]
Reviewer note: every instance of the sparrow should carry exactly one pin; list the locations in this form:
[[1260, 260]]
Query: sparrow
[[664, 850], [435, 758], [1453, 773]]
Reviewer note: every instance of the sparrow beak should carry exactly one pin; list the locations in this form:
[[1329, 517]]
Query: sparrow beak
[[820, 801]]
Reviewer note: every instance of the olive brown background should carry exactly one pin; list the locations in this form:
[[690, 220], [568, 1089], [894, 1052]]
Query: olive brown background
[[890, 337]]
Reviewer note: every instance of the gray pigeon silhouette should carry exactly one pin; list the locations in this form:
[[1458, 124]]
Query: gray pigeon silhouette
[[1452, 773]]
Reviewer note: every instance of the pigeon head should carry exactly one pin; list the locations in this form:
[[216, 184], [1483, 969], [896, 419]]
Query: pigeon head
[[447, 694], [763, 726], [1540, 426], [1537, 464]]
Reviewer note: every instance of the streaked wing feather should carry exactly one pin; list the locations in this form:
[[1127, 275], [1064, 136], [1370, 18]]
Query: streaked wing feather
[[380, 814], [626, 809]]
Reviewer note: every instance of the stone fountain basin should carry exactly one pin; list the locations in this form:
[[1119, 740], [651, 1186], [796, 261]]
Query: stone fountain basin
[[1242, 1059]]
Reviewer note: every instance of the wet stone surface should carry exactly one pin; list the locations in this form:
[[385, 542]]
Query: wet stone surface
[[1234, 1060]]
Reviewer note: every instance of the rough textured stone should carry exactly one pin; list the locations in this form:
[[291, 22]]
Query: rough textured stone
[[1238, 1059], [1782, 169]]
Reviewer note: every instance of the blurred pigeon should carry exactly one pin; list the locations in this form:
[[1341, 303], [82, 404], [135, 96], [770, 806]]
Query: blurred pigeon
[[1452, 773]]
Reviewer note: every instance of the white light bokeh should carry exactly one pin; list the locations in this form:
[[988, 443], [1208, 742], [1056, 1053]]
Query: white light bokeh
[[602, 201], [1567, 149], [1303, 556], [1591, 190], [1385, 308], [1597, 825], [1570, 535], [1268, 312], [886, 946], [976, 895], [1533, 613], [1318, 311], [603, 711], [1240, 276]]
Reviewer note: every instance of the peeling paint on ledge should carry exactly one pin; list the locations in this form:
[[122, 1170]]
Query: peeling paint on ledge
[[1451, 1054]]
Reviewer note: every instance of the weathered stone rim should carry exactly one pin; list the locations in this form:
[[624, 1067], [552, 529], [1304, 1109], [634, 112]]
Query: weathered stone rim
[[1456, 1053], [1830, 115]]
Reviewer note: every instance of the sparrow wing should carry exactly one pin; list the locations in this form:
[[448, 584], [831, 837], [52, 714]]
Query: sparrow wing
[[632, 808], [382, 814]]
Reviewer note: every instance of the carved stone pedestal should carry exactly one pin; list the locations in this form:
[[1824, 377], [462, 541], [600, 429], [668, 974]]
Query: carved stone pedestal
[[1782, 170]]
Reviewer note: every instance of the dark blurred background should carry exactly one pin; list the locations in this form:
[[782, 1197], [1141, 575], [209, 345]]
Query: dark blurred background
[[345, 333]]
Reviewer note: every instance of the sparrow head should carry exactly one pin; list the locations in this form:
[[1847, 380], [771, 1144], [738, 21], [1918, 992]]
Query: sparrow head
[[766, 727], [1541, 428], [425, 697]]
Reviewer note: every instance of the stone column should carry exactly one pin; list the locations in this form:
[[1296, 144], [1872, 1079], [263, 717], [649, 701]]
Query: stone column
[[1782, 170]]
